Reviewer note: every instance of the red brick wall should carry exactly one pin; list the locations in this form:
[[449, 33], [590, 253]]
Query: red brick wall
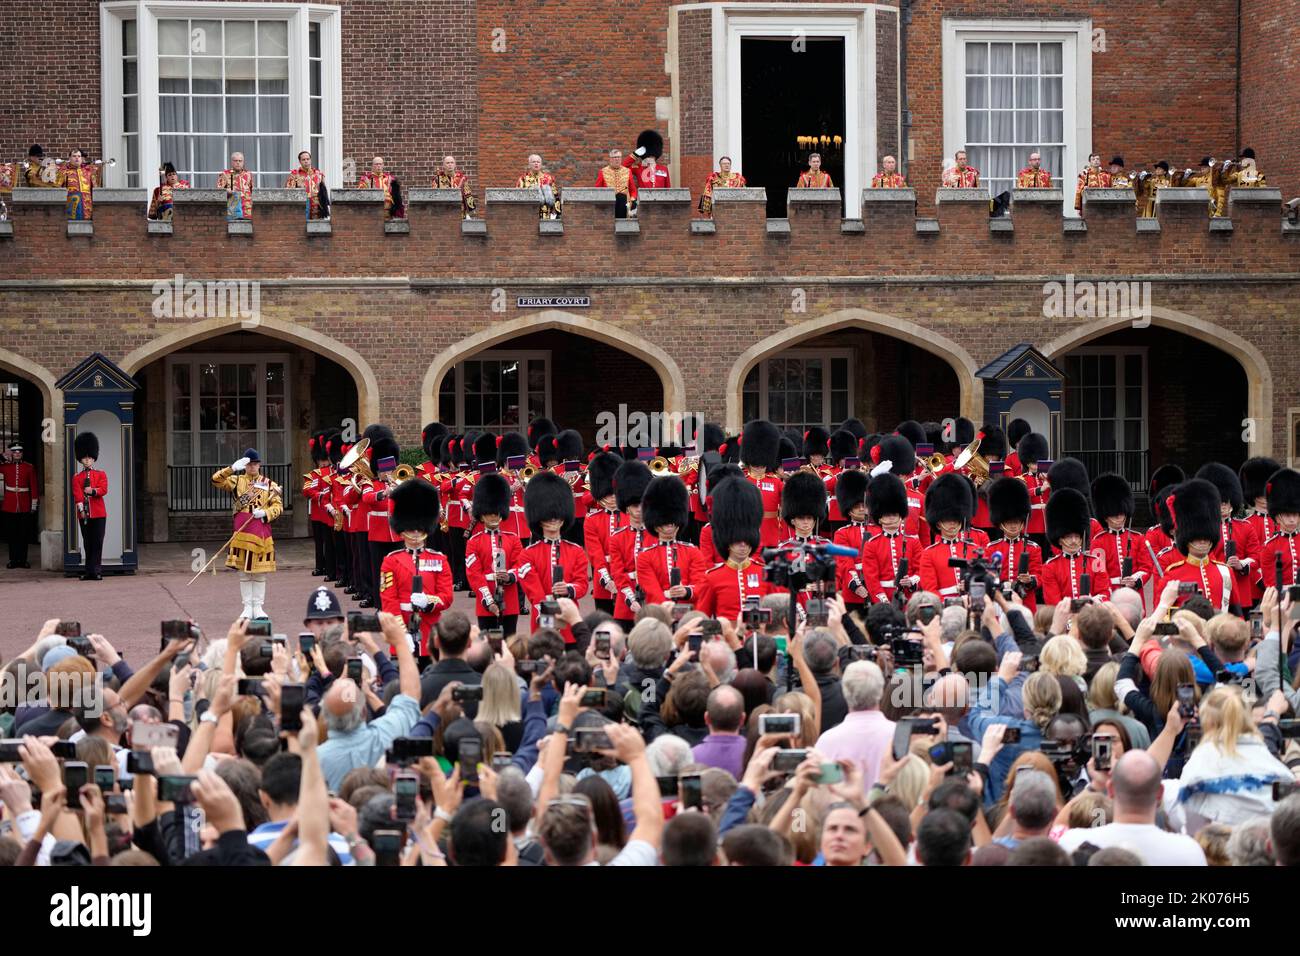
[[695, 73], [1270, 71]]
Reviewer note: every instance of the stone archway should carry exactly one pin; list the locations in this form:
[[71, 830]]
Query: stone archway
[[51, 451], [963, 365]]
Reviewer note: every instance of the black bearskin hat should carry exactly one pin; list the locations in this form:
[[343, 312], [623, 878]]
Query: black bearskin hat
[[844, 444], [1017, 429], [736, 514], [712, 438], [443, 448], [1166, 475], [786, 448], [631, 479], [913, 431], [949, 498], [886, 495], [1067, 513], [1254, 475], [547, 497], [963, 432], [334, 446], [1283, 491], [429, 437], [804, 495], [760, 444], [1070, 473], [600, 474], [316, 445], [1008, 500], [485, 448], [816, 441], [537, 428], [851, 490], [1226, 480], [382, 447], [511, 445], [377, 431], [568, 444], [1195, 513], [1160, 508], [651, 142], [414, 507], [730, 449], [993, 442], [86, 445], [547, 452], [867, 445], [1112, 495], [934, 436], [897, 449], [491, 496], [666, 501], [1031, 449]]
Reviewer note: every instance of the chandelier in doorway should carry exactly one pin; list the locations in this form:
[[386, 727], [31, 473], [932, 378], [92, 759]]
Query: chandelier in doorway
[[824, 144]]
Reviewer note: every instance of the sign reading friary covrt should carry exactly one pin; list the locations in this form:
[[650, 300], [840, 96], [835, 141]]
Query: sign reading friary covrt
[[553, 302]]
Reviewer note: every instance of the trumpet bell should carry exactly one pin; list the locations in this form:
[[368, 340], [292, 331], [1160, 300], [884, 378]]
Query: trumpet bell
[[403, 472], [659, 466], [936, 463], [527, 472]]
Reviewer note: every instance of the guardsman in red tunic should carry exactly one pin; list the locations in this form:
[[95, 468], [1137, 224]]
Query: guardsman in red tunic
[[1163, 481], [433, 439], [315, 485], [843, 457], [1238, 546], [737, 517], [601, 523], [1022, 559], [19, 501], [1072, 473], [851, 493], [1254, 475], [644, 162], [708, 546], [1072, 573], [538, 429], [415, 580], [562, 454], [711, 440], [381, 539], [332, 502], [803, 511], [626, 544], [1128, 561], [492, 557], [1017, 429], [1283, 494], [897, 455], [511, 459], [993, 448], [817, 450], [891, 560], [760, 448], [949, 504], [551, 567], [457, 491], [89, 486], [1031, 450], [1197, 524], [671, 570]]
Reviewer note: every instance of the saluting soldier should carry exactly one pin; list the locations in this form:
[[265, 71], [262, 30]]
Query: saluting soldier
[[258, 502]]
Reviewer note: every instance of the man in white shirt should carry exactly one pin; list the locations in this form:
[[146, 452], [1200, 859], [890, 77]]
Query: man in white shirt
[[1136, 789]]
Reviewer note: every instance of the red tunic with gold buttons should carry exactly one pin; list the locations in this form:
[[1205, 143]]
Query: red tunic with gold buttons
[[1038, 495], [1264, 528], [848, 571], [397, 574], [1012, 551], [1212, 579], [1063, 578], [655, 565], [596, 532], [481, 552], [1118, 545], [881, 555], [1287, 545], [936, 576], [536, 574], [1246, 548], [20, 491], [726, 586], [769, 487], [378, 506], [625, 547], [98, 484]]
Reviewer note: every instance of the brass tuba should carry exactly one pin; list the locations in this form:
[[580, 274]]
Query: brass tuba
[[973, 461], [355, 459]]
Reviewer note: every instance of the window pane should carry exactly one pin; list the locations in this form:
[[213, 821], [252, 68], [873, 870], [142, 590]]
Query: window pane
[[173, 114], [274, 452], [1053, 127], [751, 380], [1000, 58], [131, 116], [275, 378], [209, 413], [241, 76], [209, 114], [1107, 368], [229, 374], [813, 377], [1090, 402], [180, 414], [1052, 57], [1027, 58], [840, 374], [173, 37], [1026, 126], [1052, 97], [1000, 92], [208, 448], [316, 116], [275, 413], [1133, 435], [473, 377], [209, 154], [1073, 436], [241, 114], [977, 130], [1106, 433], [977, 58], [173, 75], [977, 92], [180, 381], [128, 38], [208, 380], [247, 413], [314, 77], [751, 406], [273, 76], [1026, 92], [239, 38], [248, 379], [839, 407], [313, 40], [272, 38], [776, 407], [1004, 126], [205, 37], [129, 78], [1133, 369], [182, 448], [537, 375], [1107, 403], [275, 156], [1090, 436], [207, 75], [1133, 401], [491, 411]]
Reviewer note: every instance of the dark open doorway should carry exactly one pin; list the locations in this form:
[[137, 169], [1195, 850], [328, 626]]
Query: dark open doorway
[[791, 87]]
